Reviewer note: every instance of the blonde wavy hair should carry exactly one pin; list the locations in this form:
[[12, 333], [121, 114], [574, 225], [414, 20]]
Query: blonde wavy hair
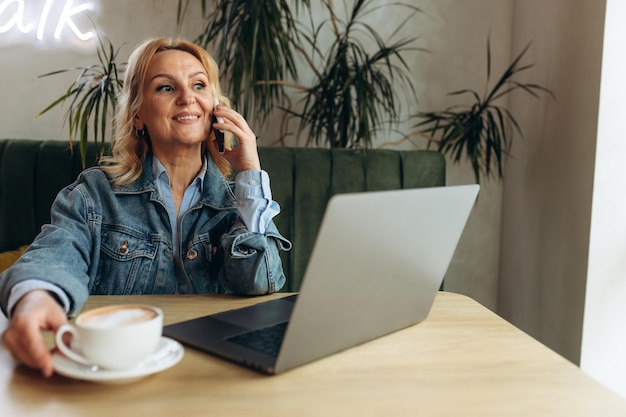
[[130, 149]]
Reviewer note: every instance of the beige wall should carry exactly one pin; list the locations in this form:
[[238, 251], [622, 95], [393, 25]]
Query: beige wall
[[548, 185], [458, 40]]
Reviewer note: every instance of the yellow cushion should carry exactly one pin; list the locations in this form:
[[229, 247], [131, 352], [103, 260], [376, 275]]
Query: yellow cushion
[[8, 258]]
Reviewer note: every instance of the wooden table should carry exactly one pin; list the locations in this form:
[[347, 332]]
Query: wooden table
[[462, 361]]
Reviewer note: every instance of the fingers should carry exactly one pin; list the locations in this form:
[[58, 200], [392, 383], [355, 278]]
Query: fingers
[[26, 344], [35, 312], [245, 156], [234, 123]]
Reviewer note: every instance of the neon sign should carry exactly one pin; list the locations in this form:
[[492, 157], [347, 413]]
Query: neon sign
[[58, 19]]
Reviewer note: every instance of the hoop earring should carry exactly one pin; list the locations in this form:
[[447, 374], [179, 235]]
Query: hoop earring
[[140, 133]]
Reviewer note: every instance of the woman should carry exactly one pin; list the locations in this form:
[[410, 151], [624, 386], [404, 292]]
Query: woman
[[158, 216]]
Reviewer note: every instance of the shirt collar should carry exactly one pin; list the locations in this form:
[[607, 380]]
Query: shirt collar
[[216, 190], [160, 174]]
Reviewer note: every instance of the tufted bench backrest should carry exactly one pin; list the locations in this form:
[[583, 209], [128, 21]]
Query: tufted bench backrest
[[302, 179]]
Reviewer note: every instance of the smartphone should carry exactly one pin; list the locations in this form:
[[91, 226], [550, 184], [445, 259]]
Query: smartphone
[[219, 134]]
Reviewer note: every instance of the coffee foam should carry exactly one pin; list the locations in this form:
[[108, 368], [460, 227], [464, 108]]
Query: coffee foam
[[117, 317]]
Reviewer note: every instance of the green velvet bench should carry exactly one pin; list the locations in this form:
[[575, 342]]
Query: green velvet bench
[[303, 179]]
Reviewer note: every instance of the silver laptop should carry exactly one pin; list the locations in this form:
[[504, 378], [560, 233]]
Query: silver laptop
[[378, 262]]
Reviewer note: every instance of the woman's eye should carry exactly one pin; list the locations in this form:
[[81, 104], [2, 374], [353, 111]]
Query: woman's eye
[[200, 86], [165, 88]]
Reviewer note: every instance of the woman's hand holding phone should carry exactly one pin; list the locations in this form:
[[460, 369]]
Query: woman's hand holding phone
[[244, 156]]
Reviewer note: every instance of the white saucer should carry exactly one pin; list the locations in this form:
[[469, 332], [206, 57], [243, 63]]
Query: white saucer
[[167, 354]]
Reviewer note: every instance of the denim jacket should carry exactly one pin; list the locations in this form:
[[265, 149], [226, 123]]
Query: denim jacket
[[118, 240]]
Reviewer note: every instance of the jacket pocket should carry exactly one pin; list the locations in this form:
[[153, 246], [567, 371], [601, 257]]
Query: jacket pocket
[[127, 261]]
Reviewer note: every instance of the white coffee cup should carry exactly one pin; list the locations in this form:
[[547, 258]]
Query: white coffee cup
[[116, 337]]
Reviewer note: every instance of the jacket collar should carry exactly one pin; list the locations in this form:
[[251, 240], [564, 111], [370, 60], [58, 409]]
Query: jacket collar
[[217, 192]]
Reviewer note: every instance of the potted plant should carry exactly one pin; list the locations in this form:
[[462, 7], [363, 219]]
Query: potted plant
[[481, 131], [356, 79], [92, 98]]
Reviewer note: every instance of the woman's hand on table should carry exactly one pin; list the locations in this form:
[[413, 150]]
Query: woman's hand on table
[[37, 311]]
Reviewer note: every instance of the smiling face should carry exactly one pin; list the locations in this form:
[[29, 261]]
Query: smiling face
[[177, 102]]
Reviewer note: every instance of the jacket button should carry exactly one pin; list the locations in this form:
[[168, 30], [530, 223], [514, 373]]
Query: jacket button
[[192, 254], [123, 250]]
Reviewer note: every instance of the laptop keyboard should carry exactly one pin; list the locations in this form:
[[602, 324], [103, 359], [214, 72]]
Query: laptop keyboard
[[266, 340]]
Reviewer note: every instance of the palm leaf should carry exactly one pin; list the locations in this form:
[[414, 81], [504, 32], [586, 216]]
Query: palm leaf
[[91, 97], [353, 95], [483, 131]]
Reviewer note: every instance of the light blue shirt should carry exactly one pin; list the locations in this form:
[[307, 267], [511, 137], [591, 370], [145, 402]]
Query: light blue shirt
[[190, 198]]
